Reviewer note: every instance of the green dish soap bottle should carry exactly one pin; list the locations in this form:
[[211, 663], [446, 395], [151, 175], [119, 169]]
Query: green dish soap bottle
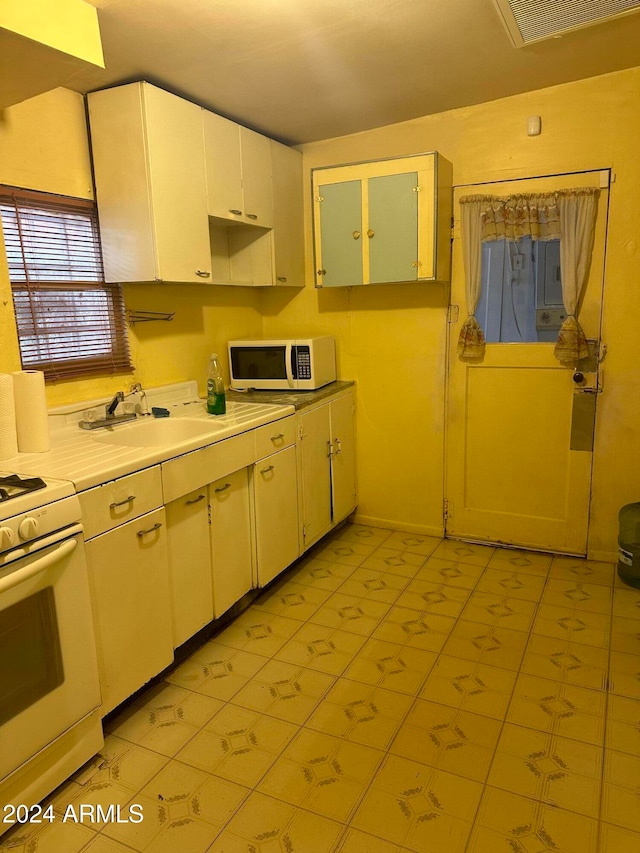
[[216, 402]]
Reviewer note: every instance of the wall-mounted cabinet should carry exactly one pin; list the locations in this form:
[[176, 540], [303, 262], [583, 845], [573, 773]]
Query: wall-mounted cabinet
[[185, 195], [288, 215], [148, 158], [238, 167], [382, 222]]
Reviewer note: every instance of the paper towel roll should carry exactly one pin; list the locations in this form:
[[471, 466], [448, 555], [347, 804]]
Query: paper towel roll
[[8, 435], [32, 424]]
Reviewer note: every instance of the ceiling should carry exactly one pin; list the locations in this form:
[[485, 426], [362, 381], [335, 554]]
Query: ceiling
[[303, 70]]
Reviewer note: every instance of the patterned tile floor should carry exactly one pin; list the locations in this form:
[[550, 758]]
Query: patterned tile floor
[[393, 692]]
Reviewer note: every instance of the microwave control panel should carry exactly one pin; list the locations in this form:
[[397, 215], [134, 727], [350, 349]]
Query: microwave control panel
[[303, 363]]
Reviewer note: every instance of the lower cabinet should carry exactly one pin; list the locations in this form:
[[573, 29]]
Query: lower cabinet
[[276, 513], [158, 574], [231, 540], [131, 600], [189, 564], [327, 467]]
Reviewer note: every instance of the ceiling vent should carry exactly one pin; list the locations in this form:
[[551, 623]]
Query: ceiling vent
[[533, 20]]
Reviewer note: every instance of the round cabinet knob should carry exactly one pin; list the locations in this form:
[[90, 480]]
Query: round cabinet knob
[[28, 528], [6, 537], [578, 377]]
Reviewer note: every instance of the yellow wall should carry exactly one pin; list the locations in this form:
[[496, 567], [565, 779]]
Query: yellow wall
[[390, 339], [70, 26], [44, 146]]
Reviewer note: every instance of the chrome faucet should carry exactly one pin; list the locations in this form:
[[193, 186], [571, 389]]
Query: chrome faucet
[[110, 418], [113, 405]]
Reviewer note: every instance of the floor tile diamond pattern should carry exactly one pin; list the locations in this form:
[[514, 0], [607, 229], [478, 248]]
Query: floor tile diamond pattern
[[391, 692]]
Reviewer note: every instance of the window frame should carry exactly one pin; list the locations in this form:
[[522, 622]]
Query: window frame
[[92, 338]]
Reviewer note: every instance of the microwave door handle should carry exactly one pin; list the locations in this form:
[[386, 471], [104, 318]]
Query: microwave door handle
[[38, 566], [287, 361]]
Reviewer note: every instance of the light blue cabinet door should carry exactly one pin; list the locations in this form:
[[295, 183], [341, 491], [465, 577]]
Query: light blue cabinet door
[[393, 219], [340, 217]]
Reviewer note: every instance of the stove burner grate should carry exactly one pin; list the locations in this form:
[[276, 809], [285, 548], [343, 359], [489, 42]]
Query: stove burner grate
[[12, 486]]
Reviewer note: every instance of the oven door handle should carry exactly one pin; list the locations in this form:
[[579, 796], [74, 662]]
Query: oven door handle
[[38, 566]]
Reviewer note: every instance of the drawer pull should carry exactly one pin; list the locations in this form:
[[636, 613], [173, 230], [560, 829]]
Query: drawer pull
[[266, 470], [282, 278], [203, 273], [252, 215], [153, 529], [223, 488], [235, 212], [196, 500], [277, 437], [128, 500]]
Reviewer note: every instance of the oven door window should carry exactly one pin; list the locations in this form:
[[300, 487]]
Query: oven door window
[[30, 656]]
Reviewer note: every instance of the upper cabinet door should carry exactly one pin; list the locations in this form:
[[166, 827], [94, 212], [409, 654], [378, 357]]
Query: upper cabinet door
[[392, 235], [238, 163], [288, 215], [255, 151], [223, 167], [148, 158], [339, 237], [178, 186]]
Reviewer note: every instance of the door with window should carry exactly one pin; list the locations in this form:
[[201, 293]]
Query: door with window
[[520, 424]]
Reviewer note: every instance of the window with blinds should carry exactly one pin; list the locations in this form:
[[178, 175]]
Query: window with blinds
[[70, 322]]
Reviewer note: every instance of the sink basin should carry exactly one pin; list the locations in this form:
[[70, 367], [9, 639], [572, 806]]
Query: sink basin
[[155, 433]]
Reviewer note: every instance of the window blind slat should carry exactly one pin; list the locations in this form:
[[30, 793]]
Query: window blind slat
[[70, 322]]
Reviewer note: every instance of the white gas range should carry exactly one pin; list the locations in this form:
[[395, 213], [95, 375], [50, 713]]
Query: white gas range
[[49, 691]]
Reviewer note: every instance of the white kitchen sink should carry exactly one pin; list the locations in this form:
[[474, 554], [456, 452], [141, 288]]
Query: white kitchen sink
[[157, 432]]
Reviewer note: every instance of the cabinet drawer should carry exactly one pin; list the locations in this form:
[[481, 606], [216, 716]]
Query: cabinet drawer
[[275, 436], [111, 504], [195, 470]]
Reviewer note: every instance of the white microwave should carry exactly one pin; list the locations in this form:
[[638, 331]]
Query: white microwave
[[283, 365]]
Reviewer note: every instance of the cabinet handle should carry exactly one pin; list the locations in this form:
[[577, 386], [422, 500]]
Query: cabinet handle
[[266, 470], [277, 437], [322, 272], [223, 488], [370, 233], [235, 212], [356, 235], [196, 500], [128, 500], [252, 215], [155, 527], [338, 446], [282, 278], [203, 273]]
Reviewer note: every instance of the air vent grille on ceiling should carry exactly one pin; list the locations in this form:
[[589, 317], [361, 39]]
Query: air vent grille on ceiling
[[533, 20]]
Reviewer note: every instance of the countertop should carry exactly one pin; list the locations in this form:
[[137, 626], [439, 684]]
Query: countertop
[[297, 399], [87, 459]]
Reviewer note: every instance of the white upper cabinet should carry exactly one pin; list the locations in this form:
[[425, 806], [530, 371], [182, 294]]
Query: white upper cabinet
[[185, 195], [148, 154], [238, 170], [288, 215]]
